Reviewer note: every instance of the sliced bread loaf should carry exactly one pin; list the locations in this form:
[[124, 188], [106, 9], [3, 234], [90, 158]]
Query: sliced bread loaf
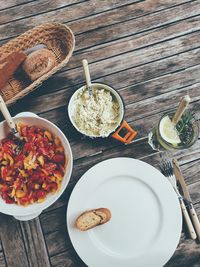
[[92, 218]]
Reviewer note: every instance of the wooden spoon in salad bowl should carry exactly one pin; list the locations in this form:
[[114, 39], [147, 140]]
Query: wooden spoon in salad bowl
[[11, 124]]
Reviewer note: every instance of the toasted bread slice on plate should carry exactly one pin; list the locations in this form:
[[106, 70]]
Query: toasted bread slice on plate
[[92, 218]]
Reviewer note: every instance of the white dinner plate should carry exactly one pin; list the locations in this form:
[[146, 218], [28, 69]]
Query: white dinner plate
[[146, 222]]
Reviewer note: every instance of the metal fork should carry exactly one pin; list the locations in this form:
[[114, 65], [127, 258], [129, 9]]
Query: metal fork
[[167, 170]]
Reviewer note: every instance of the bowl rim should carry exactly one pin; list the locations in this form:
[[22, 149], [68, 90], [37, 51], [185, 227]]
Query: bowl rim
[[114, 92]]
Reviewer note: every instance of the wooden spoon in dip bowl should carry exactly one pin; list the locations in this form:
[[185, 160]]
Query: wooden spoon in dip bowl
[[87, 76]]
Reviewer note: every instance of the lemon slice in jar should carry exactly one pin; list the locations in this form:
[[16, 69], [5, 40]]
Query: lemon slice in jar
[[168, 131]]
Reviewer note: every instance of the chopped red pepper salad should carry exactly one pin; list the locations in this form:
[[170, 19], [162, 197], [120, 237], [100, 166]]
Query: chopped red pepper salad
[[29, 174]]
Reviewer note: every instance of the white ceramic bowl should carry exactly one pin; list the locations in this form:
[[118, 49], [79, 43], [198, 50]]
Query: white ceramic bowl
[[33, 210], [72, 104]]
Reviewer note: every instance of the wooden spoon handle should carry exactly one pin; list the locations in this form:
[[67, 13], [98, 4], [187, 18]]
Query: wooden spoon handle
[[181, 108], [87, 72], [6, 114]]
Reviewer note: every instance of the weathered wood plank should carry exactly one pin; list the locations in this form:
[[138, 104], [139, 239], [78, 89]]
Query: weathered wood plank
[[33, 8], [126, 13], [58, 219], [67, 259], [135, 26], [65, 14], [191, 171], [34, 243], [12, 3], [168, 100], [145, 55], [12, 242], [2, 260], [188, 252], [133, 93], [139, 41], [62, 236], [136, 74]]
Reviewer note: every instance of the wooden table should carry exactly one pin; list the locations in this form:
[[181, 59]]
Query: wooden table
[[150, 52]]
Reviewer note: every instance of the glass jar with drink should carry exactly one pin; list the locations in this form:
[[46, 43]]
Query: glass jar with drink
[[176, 129]]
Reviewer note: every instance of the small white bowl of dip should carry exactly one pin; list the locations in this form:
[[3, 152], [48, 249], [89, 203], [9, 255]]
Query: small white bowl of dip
[[99, 115]]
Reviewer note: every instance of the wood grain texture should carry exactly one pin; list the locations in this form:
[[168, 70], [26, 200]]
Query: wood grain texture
[[33, 8], [34, 243], [113, 32], [135, 26], [126, 13], [67, 259], [12, 3], [65, 14], [12, 242], [2, 260], [187, 253], [163, 59], [141, 40], [142, 84]]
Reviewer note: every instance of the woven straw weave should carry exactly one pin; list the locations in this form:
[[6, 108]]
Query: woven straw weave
[[57, 37]]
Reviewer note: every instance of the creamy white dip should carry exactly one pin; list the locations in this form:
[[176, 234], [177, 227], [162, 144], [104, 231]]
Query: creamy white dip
[[96, 115]]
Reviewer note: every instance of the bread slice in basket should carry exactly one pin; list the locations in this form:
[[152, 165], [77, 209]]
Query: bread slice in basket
[[92, 218], [56, 37]]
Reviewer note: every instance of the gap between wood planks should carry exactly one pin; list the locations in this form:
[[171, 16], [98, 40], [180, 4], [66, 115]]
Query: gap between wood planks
[[2, 260], [126, 45], [83, 9], [147, 86], [41, 6], [119, 30], [135, 68], [5, 4], [113, 6], [23, 27], [58, 75], [141, 11], [129, 44], [35, 243]]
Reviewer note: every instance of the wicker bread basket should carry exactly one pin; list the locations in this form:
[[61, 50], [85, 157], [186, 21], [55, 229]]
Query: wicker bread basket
[[56, 37]]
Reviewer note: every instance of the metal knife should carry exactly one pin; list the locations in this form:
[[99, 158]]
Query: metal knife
[[186, 194]]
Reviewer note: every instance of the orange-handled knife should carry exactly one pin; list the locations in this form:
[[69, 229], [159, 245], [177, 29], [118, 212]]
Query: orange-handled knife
[[186, 194]]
